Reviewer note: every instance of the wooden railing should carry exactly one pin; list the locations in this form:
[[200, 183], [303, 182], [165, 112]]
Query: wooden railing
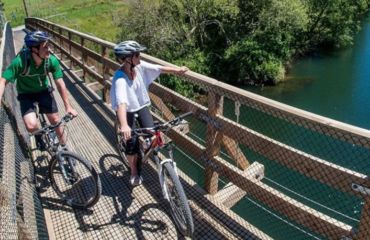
[[93, 57]]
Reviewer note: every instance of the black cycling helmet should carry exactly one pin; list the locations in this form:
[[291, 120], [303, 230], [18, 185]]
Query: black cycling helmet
[[34, 39], [128, 48]]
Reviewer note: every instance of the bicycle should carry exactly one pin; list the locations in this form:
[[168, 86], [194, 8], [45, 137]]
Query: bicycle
[[172, 189], [72, 177]]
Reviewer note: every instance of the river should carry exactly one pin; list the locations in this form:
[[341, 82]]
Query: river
[[332, 84]]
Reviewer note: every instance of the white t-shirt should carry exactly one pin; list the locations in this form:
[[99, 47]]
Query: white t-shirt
[[134, 93]]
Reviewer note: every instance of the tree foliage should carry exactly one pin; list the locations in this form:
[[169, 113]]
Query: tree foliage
[[240, 41]]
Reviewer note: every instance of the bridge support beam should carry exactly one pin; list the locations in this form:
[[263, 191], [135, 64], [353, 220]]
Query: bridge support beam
[[235, 152], [232, 194], [213, 142]]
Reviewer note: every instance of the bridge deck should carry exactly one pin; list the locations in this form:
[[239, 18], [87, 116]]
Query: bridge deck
[[123, 212]]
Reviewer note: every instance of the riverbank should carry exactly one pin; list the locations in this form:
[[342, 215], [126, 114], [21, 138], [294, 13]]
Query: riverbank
[[334, 84]]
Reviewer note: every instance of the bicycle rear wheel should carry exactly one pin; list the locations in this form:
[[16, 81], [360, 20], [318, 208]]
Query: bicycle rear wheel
[[120, 144], [75, 180], [177, 200]]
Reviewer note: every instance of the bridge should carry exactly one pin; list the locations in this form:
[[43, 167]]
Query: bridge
[[252, 168]]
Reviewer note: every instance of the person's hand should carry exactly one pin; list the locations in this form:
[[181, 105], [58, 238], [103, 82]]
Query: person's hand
[[72, 111], [182, 70], [126, 132]]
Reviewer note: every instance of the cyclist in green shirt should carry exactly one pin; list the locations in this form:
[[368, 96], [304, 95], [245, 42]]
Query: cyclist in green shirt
[[29, 71]]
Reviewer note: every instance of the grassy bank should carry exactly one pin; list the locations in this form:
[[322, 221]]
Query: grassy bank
[[95, 17]]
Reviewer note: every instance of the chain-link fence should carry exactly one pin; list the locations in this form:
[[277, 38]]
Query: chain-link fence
[[21, 213], [292, 174]]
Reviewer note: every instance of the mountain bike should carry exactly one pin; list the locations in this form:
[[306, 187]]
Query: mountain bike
[[72, 177], [172, 189]]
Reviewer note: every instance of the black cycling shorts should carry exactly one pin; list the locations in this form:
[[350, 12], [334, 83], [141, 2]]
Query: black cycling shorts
[[145, 120], [45, 100]]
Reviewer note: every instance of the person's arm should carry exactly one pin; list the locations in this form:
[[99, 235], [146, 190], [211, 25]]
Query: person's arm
[[64, 94], [10, 74], [174, 70], [122, 118], [3, 83]]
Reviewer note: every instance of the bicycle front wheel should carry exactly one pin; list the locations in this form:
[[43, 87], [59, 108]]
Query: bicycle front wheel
[[177, 200], [75, 180]]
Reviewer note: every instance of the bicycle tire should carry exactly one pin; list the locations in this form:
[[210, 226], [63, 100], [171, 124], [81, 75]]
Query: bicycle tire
[[120, 144], [83, 189], [178, 202]]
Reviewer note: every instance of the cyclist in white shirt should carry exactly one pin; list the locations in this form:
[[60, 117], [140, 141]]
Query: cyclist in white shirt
[[129, 96]]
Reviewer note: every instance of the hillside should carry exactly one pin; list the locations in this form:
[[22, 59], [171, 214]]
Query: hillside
[[96, 17]]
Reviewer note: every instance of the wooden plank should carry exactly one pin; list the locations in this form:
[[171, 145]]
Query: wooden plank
[[283, 204], [178, 100], [79, 72], [37, 21], [232, 194], [49, 224], [328, 173], [81, 65], [27, 195], [168, 115], [364, 227], [235, 152]]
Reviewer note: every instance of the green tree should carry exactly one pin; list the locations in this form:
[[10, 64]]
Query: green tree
[[240, 41]]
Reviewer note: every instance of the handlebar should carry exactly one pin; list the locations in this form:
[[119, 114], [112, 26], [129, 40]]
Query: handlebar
[[162, 126], [68, 117]]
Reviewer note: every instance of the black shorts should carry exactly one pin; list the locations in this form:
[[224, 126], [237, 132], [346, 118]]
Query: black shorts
[[144, 120], [45, 100]]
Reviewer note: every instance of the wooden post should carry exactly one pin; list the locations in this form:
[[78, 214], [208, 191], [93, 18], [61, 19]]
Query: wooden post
[[364, 227], [235, 152], [70, 48], [213, 142], [60, 44], [105, 74], [84, 58]]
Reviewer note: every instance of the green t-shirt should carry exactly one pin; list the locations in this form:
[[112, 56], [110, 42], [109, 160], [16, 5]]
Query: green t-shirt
[[36, 81]]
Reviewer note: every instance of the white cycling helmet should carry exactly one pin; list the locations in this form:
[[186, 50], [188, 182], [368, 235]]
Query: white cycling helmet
[[128, 48]]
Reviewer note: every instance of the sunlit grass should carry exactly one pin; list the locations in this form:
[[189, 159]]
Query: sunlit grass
[[95, 17]]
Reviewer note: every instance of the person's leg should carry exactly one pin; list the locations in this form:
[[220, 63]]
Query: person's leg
[[145, 120], [48, 106], [54, 119], [132, 146], [30, 121], [28, 110], [28, 104], [132, 159]]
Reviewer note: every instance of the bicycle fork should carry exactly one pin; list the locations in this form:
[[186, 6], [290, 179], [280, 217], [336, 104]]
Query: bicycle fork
[[160, 167], [62, 165]]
